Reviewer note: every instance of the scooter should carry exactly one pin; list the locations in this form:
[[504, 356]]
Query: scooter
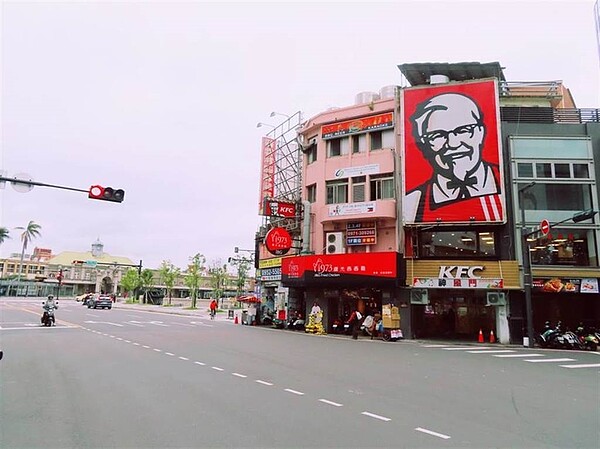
[[48, 318], [552, 337], [589, 339]]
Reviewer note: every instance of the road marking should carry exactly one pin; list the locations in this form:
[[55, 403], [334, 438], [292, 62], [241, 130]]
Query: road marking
[[586, 365], [325, 401], [462, 348], [200, 363], [119, 338], [37, 326], [217, 368], [431, 432], [104, 322], [239, 375], [147, 347], [495, 351], [518, 355], [289, 390], [183, 358], [157, 350], [134, 323], [159, 323], [127, 341], [182, 324], [169, 353], [269, 384], [436, 346], [373, 415], [549, 360]]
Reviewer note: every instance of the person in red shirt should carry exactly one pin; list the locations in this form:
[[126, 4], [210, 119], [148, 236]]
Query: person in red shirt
[[213, 309], [355, 321]]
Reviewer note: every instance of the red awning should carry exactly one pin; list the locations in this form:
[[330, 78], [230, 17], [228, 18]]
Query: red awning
[[248, 298]]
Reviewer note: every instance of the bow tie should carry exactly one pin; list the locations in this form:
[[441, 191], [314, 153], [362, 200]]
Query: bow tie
[[462, 185]]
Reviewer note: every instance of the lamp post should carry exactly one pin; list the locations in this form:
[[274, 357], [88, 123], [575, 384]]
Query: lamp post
[[526, 254], [261, 124]]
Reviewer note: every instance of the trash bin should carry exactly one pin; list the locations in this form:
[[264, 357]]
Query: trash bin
[[245, 317], [230, 314]]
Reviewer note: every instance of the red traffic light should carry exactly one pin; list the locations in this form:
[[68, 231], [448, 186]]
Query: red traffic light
[[106, 194]]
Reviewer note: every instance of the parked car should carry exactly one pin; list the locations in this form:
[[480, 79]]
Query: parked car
[[100, 301]]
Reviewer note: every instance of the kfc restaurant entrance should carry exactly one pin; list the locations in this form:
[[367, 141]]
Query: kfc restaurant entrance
[[339, 283], [454, 299]]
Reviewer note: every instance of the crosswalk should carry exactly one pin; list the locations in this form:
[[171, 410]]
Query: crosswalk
[[530, 357]]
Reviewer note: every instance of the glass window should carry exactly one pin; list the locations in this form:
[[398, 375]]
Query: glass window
[[581, 171], [525, 170], [382, 187], [311, 154], [338, 147], [358, 189], [564, 247], [359, 143], [376, 140], [311, 193], [564, 197], [562, 171], [543, 170], [387, 137], [337, 192], [457, 244], [550, 148]]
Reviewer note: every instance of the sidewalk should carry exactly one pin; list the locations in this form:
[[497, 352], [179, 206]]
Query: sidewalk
[[201, 311]]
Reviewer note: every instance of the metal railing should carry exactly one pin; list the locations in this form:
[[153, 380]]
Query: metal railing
[[544, 89], [548, 115]]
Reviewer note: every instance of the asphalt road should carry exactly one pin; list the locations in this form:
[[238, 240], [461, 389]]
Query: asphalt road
[[129, 378]]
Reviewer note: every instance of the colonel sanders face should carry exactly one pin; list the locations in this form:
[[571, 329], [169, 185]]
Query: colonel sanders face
[[449, 130]]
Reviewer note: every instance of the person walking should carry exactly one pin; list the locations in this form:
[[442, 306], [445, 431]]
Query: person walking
[[213, 309], [354, 321]]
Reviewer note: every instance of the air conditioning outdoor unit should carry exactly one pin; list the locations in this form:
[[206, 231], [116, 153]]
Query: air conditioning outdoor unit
[[334, 243], [419, 296], [496, 298]]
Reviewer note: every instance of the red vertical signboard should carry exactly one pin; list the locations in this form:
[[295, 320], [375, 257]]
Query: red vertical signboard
[[267, 172]]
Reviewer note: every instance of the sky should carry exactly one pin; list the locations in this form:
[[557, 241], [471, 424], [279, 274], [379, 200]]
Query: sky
[[162, 99]]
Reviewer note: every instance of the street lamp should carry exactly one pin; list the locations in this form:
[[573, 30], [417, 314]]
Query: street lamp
[[259, 124], [526, 254], [273, 114]]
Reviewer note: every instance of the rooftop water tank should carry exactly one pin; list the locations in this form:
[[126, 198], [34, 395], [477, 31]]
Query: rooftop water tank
[[387, 92], [438, 79], [366, 97]]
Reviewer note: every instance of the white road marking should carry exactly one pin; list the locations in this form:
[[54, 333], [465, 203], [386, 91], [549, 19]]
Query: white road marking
[[431, 432], [495, 351], [462, 348], [585, 365], [200, 363], [104, 322], [92, 314], [239, 375], [147, 347], [183, 324], [335, 404], [134, 323], [518, 355], [37, 326], [169, 353], [112, 336], [373, 415], [217, 368], [157, 350], [127, 341], [159, 323], [436, 346], [119, 338], [549, 360], [289, 390], [183, 358], [264, 383]]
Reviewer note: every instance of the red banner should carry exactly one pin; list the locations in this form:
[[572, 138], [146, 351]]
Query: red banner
[[267, 172], [361, 125], [452, 164]]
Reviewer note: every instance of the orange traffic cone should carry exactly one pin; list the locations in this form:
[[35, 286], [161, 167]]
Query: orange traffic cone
[[235, 320], [480, 339], [492, 338]]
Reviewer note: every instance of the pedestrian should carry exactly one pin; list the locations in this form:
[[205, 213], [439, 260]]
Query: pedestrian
[[355, 321], [213, 309]]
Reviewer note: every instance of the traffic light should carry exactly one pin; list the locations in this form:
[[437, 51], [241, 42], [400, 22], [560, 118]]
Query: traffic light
[[106, 194]]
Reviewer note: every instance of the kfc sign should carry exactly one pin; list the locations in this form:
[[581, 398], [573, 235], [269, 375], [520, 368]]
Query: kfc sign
[[459, 271], [280, 209], [278, 241], [452, 158]]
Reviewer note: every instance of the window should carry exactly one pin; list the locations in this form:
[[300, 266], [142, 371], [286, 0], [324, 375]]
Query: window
[[359, 184], [337, 191], [338, 147], [563, 247], [525, 170], [457, 244], [557, 148], [359, 143], [553, 170], [543, 170], [562, 171], [382, 187], [311, 154], [311, 193], [376, 140], [561, 197], [581, 171]]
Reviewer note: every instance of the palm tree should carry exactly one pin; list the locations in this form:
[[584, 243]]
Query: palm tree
[[29, 233], [4, 234]]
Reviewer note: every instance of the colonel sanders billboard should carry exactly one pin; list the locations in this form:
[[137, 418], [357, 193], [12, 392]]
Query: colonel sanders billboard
[[452, 164]]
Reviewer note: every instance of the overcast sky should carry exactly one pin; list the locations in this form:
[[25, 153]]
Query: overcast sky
[[162, 99]]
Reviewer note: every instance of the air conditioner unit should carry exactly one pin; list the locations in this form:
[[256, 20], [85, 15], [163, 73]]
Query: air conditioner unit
[[419, 296], [334, 243], [496, 298]]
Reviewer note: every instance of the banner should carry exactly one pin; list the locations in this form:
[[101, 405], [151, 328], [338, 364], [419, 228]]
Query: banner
[[361, 125], [570, 285], [267, 172]]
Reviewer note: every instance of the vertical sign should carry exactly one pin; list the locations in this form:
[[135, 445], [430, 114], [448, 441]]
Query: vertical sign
[[267, 172]]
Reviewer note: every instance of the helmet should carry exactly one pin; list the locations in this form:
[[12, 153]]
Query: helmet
[[50, 296]]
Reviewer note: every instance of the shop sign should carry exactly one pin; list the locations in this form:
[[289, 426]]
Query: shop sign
[[349, 172], [270, 274], [560, 285], [449, 282], [278, 241], [459, 271], [361, 233], [284, 209], [336, 210], [342, 269], [379, 121], [268, 263], [267, 171]]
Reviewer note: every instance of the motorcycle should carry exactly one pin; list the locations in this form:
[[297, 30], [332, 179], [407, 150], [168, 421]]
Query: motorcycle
[[588, 339], [48, 318], [552, 337]]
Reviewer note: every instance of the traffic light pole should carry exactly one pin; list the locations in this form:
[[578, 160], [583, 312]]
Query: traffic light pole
[[41, 184]]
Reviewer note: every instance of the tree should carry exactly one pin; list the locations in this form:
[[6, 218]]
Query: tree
[[29, 233], [218, 275], [146, 281], [169, 274], [4, 234], [243, 268], [194, 276], [131, 281]]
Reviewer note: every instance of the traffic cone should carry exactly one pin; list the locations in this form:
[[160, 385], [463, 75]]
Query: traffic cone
[[492, 337], [480, 339], [235, 320]]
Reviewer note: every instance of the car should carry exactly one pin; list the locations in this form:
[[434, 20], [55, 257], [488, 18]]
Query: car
[[100, 301], [84, 297]]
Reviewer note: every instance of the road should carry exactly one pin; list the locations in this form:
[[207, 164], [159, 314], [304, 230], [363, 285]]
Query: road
[[131, 378]]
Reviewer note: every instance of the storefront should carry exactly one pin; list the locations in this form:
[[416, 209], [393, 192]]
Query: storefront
[[456, 299], [339, 283]]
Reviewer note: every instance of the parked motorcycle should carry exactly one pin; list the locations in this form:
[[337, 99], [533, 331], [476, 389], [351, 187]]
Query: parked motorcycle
[[552, 337], [588, 338]]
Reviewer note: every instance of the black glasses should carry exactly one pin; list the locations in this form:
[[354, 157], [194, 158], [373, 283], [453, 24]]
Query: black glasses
[[440, 137]]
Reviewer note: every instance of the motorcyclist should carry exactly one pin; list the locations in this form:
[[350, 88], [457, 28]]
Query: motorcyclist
[[49, 304]]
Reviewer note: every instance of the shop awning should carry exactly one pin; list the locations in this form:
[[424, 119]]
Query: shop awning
[[248, 298]]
